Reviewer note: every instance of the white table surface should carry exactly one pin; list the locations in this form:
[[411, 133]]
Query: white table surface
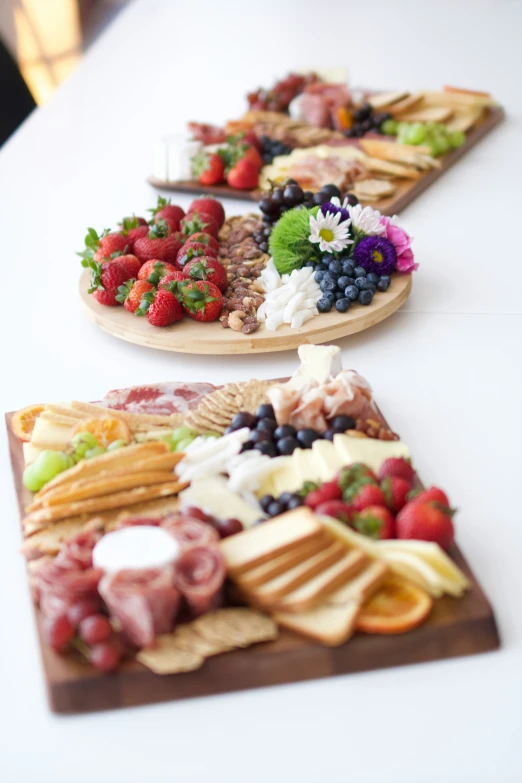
[[446, 371]]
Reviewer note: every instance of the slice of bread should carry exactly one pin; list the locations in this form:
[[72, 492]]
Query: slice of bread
[[269, 593], [331, 625], [315, 590], [362, 587], [260, 543], [278, 565]]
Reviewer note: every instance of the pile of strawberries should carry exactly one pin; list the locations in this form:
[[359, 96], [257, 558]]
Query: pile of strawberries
[[163, 269], [385, 505], [238, 162]]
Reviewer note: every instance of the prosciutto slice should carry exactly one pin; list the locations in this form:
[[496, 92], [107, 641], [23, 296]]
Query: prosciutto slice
[[161, 399], [190, 532], [349, 394], [144, 602], [200, 574]]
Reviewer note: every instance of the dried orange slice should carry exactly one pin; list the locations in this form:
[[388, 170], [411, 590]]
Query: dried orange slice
[[398, 606], [106, 429], [24, 419]]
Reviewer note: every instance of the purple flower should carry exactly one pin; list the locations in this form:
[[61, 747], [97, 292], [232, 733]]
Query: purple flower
[[376, 254], [333, 209]]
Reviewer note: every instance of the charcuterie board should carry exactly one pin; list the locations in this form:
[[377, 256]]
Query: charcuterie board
[[406, 190], [210, 338], [455, 628]]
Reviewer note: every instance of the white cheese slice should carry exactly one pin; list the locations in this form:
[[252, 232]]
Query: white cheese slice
[[49, 435], [307, 465], [319, 362], [30, 452], [328, 460], [138, 547], [213, 497], [369, 451]]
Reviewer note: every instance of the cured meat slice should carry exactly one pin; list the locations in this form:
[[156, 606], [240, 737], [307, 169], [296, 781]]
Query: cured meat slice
[[59, 587], [200, 574], [161, 399], [136, 521], [144, 602], [190, 532], [76, 554], [207, 134], [349, 394]]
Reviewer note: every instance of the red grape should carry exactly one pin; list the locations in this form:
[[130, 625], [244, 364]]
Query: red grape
[[95, 629], [84, 608], [105, 656], [197, 513], [228, 527], [58, 632]]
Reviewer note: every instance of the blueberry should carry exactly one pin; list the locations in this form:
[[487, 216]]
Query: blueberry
[[265, 502], [327, 257], [329, 434], [285, 497], [265, 411], [266, 425], [309, 263], [329, 276], [371, 287], [267, 447], [257, 436], [327, 285], [321, 267], [351, 281], [243, 419], [352, 292], [334, 267], [294, 502], [318, 276], [343, 281], [284, 431], [384, 283], [275, 508], [371, 277], [361, 283], [347, 268], [306, 437], [329, 295], [342, 423], [287, 445], [365, 297], [324, 305], [359, 271], [342, 305]]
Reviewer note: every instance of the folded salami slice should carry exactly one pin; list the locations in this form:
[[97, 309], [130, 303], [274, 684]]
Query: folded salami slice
[[59, 587], [190, 532], [145, 602], [77, 552], [200, 574], [161, 399]]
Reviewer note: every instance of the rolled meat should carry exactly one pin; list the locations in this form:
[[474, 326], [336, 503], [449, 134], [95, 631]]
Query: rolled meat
[[59, 587], [190, 532], [200, 574]]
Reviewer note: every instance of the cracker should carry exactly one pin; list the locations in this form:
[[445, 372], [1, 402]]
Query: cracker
[[166, 658], [373, 189], [254, 394], [187, 638], [236, 626]]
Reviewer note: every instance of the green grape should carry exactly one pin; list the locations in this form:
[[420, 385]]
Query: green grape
[[181, 445], [49, 463], [389, 127], [31, 479], [457, 138], [211, 435], [84, 438], [94, 452], [70, 460], [416, 133], [181, 433], [116, 444]]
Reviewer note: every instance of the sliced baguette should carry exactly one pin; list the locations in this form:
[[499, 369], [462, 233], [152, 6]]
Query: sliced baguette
[[317, 589], [258, 544], [270, 593], [264, 573]]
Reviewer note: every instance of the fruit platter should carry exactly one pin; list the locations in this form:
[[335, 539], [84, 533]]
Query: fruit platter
[[198, 282], [385, 147], [186, 539]]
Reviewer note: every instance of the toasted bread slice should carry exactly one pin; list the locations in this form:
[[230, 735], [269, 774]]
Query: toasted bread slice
[[382, 99], [396, 170], [328, 624], [258, 544], [268, 594], [428, 114], [278, 565], [464, 119], [317, 589], [361, 588], [396, 109]]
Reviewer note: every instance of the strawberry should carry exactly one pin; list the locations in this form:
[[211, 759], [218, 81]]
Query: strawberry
[[106, 278], [330, 490], [98, 247], [201, 300], [244, 175], [160, 244], [199, 221], [210, 206], [161, 308], [375, 522], [433, 494], [208, 269], [364, 494], [205, 239], [208, 168], [131, 222], [167, 211], [153, 271], [130, 263], [130, 293], [395, 490], [396, 466], [427, 522], [354, 473], [252, 153], [134, 228], [251, 138], [337, 509], [177, 276], [192, 250]]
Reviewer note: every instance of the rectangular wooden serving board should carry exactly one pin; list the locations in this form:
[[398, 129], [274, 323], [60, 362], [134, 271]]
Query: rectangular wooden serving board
[[406, 192], [456, 627]]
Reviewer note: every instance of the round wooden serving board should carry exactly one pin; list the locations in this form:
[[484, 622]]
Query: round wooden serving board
[[189, 336]]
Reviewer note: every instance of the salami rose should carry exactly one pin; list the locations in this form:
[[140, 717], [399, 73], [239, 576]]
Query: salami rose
[[190, 532], [145, 602], [200, 573]]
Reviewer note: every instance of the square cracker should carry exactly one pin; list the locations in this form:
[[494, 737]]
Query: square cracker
[[187, 638], [236, 626], [167, 658]]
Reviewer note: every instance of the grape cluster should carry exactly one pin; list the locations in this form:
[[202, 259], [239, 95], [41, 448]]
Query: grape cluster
[[274, 440], [430, 134], [366, 119], [291, 195], [271, 148], [287, 501], [261, 237], [343, 283]]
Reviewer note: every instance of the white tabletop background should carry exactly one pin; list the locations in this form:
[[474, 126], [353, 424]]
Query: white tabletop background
[[446, 370]]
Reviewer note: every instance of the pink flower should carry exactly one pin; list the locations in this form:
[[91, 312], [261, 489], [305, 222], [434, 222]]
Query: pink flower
[[402, 244]]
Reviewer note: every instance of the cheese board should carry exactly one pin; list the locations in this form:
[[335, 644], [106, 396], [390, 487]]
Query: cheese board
[[314, 131], [442, 612]]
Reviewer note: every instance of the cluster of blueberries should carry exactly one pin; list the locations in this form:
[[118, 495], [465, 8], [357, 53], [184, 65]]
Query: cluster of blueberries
[[343, 283]]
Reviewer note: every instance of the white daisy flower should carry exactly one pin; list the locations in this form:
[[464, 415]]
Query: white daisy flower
[[366, 220], [329, 232], [337, 202]]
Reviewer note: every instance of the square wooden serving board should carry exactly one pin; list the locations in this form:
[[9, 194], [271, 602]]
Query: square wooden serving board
[[456, 627]]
